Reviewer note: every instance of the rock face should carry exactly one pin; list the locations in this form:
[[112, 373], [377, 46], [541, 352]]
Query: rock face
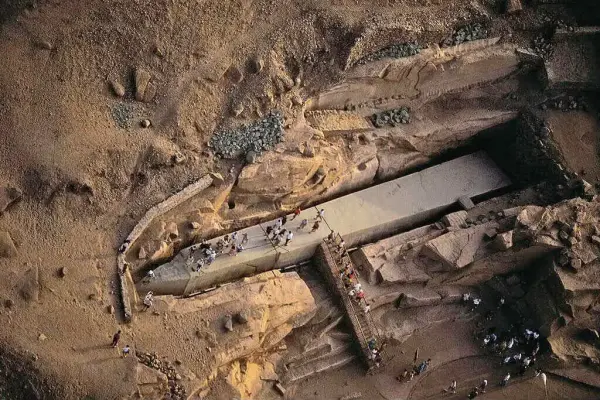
[[272, 303], [151, 383]]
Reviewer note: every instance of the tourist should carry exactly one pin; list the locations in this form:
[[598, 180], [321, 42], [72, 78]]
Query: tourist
[[232, 250], [366, 308], [150, 275], [116, 338], [315, 227], [148, 301], [476, 302], [278, 223], [212, 257], [320, 215], [505, 380], [473, 393], [466, 297], [378, 358], [239, 248], [372, 344], [506, 360], [277, 239], [451, 388], [511, 343], [268, 231], [411, 375], [221, 245], [331, 236], [276, 232], [483, 385], [283, 220], [204, 245], [123, 248], [517, 357], [234, 236], [226, 239], [423, 366], [289, 237], [360, 295], [303, 224], [500, 302], [199, 264], [245, 238], [126, 350], [357, 286], [297, 212], [402, 376]]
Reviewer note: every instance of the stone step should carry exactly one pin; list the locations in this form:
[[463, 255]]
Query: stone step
[[326, 310], [318, 366], [330, 348]]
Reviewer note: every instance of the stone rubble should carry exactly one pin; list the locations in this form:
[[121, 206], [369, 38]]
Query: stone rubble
[[151, 360], [391, 117], [466, 33], [258, 136], [398, 50]]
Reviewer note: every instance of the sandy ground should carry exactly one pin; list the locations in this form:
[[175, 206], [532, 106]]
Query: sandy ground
[[87, 180]]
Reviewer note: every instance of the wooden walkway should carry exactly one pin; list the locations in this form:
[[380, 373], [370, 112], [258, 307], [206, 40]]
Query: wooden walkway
[[332, 263]]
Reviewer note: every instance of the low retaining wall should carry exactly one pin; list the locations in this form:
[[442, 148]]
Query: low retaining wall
[[187, 193]]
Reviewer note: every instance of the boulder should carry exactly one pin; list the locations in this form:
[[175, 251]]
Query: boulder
[[228, 323], [234, 74], [503, 241], [117, 88], [513, 6], [251, 157], [142, 79], [465, 202], [7, 246], [255, 65], [170, 231], [456, 249], [242, 317], [217, 178], [419, 299], [30, 285], [456, 219], [8, 196], [309, 150]]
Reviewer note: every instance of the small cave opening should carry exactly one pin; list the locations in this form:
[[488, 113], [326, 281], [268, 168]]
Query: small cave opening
[[231, 204]]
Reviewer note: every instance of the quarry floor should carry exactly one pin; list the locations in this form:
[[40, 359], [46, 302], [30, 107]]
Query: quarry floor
[[455, 355]]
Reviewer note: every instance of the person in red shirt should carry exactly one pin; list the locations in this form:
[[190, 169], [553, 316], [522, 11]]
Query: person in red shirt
[[296, 213]]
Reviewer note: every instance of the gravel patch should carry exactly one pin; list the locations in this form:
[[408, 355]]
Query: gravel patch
[[394, 51], [256, 137]]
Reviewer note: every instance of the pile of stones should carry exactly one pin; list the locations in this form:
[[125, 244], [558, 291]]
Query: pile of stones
[[542, 47], [466, 33], [391, 117], [394, 51], [151, 360], [255, 138]]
